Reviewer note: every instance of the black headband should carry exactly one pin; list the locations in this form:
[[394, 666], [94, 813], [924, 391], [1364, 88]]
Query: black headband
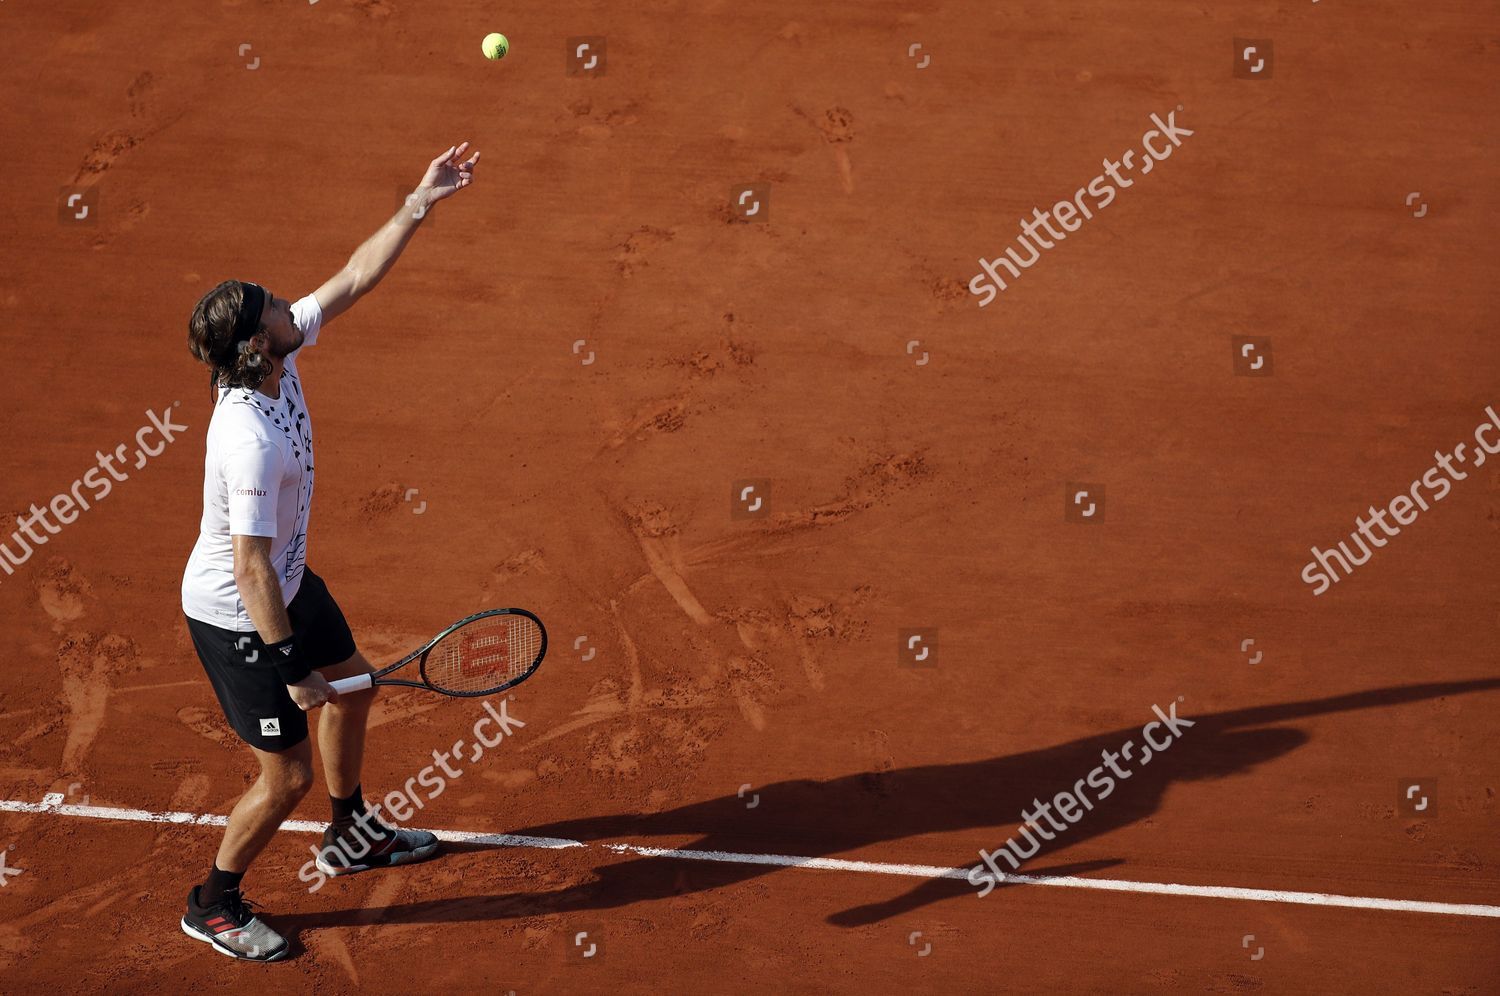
[[248, 320], [246, 323]]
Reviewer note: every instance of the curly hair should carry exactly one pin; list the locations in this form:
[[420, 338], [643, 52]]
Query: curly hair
[[210, 338]]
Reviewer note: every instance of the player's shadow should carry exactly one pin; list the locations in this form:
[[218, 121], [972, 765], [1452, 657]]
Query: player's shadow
[[836, 816]]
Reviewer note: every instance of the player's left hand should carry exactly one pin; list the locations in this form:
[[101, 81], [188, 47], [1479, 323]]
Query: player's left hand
[[449, 173]]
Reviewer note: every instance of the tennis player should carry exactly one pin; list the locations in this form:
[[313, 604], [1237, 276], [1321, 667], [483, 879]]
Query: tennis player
[[267, 629]]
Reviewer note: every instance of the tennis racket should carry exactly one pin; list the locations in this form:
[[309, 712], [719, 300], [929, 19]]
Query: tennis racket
[[480, 655]]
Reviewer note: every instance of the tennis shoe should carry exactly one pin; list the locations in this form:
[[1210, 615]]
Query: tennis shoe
[[374, 845], [232, 929]]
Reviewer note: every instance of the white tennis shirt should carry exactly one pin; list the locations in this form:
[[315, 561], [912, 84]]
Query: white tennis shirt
[[257, 481]]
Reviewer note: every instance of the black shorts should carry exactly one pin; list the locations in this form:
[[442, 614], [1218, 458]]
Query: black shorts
[[254, 698]]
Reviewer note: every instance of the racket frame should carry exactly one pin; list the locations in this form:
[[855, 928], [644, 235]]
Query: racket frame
[[359, 682]]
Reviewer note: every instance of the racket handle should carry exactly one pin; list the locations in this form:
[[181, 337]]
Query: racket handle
[[357, 683]]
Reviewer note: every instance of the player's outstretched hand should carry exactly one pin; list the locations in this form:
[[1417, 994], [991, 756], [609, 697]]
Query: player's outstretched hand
[[450, 172], [312, 691]]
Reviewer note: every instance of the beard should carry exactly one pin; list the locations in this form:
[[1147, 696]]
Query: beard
[[281, 351]]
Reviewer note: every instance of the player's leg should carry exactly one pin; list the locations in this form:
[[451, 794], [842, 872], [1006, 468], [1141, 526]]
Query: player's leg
[[256, 703], [326, 643], [341, 729], [284, 779], [356, 838], [216, 912]]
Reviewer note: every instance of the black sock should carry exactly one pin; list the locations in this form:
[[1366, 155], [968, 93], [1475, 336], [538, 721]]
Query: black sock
[[345, 810], [218, 883]]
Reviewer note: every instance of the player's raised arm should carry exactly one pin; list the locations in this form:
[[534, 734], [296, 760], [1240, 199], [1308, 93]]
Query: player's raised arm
[[445, 176]]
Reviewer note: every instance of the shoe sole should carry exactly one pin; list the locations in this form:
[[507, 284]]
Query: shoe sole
[[208, 939], [402, 858]]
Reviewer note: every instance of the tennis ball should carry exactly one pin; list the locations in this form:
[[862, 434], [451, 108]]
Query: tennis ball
[[495, 45]]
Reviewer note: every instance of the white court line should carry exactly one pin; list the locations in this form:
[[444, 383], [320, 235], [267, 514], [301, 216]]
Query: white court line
[[53, 803]]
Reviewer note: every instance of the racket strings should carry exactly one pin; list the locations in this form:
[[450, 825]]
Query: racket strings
[[484, 654]]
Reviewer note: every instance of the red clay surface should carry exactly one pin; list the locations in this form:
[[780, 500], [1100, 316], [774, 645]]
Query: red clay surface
[[764, 652]]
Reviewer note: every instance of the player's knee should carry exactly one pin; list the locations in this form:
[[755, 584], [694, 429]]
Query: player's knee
[[291, 781], [300, 781]]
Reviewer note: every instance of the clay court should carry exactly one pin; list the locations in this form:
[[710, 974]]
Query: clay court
[[738, 773]]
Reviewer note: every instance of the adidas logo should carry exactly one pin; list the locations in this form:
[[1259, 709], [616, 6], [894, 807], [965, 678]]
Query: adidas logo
[[286, 651], [270, 727]]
